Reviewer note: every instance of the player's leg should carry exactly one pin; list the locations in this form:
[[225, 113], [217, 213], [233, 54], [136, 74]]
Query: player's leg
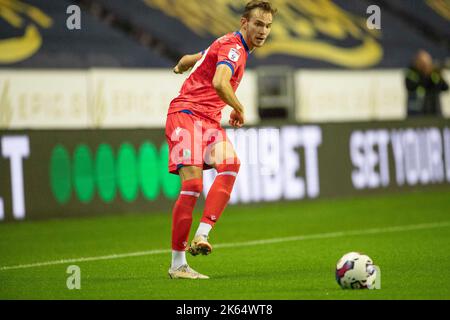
[[181, 139], [191, 187], [226, 162]]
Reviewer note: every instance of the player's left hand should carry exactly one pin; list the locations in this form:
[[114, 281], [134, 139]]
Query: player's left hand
[[177, 70]]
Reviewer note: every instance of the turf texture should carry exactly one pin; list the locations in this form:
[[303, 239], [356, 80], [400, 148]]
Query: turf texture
[[273, 251]]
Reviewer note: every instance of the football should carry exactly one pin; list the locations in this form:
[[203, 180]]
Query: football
[[356, 271]]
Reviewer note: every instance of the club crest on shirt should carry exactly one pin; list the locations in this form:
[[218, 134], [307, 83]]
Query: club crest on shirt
[[186, 154], [233, 55]]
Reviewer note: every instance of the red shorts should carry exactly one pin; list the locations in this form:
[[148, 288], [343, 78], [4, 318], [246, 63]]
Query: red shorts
[[190, 139]]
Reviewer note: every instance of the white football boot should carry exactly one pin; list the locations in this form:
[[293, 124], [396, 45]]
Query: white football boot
[[200, 245], [185, 272]]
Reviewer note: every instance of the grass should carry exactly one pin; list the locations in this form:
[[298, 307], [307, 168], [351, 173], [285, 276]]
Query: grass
[[414, 263]]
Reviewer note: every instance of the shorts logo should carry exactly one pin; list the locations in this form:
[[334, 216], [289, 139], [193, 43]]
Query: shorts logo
[[233, 55]]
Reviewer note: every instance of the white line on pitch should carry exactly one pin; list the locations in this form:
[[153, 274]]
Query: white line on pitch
[[240, 244]]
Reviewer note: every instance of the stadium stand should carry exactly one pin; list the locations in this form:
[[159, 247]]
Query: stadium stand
[[400, 41], [319, 34], [97, 44], [153, 33], [431, 17]]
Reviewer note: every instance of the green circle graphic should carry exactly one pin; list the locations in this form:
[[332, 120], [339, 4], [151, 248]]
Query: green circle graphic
[[148, 169], [83, 173], [105, 173], [170, 182], [60, 177], [127, 172]]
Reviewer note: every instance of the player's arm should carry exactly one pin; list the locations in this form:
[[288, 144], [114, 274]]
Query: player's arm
[[187, 62], [222, 85]]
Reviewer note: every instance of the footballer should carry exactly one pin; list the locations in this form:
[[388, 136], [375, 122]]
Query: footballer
[[196, 140]]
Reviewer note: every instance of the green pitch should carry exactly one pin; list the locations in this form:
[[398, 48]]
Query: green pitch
[[407, 235]]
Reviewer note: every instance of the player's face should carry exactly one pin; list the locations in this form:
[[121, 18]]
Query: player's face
[[258, 28]]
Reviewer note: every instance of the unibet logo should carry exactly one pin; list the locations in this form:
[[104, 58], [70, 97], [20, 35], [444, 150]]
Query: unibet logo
[[127, 172]]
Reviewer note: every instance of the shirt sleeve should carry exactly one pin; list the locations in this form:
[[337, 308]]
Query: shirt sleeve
[[230, 55]]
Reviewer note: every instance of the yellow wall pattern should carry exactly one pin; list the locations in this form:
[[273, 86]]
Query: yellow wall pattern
[[27, 18]]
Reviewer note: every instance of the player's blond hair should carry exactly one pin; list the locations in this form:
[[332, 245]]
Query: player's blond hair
[[255, 4]]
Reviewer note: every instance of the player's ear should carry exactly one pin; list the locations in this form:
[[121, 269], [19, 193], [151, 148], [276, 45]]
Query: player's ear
[[244, 22]]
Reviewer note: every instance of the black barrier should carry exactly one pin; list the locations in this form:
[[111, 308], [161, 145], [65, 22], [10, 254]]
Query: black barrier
[[66, 173]]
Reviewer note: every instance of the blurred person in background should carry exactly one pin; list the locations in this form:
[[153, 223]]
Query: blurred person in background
[[424, 83]]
